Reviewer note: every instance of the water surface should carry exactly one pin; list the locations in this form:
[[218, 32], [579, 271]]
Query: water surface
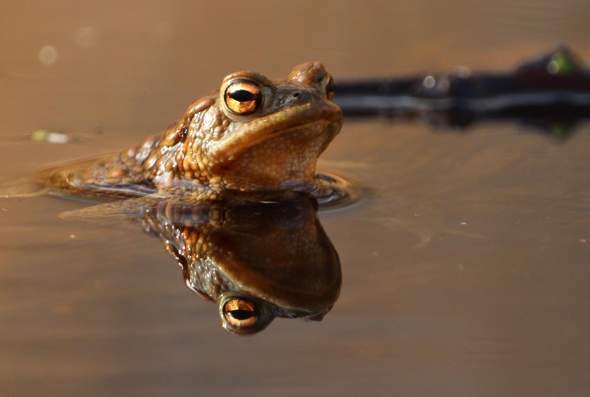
[[464, 269]]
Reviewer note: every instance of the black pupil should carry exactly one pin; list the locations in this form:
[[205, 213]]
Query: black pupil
[[241, 314], [242, 95]]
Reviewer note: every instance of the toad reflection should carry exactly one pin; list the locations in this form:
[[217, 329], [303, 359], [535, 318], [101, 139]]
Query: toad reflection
[[257, 261]]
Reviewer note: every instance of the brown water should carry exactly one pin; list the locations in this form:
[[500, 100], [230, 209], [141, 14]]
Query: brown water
[[465, 269]]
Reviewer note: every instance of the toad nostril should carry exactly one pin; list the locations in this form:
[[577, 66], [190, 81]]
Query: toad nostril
[[296, 94]]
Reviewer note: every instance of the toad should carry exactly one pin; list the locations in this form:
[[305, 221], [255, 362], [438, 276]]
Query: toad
[[253, 135]]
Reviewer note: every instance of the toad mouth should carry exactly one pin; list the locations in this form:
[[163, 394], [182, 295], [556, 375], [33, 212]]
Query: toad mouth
[[304, 117]]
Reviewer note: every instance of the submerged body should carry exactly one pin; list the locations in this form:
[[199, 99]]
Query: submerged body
[[254, 136]]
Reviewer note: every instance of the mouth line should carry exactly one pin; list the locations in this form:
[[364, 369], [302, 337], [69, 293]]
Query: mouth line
[[274, 125]]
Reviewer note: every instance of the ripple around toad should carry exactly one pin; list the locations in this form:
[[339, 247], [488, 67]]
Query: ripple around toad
[[334, 192]]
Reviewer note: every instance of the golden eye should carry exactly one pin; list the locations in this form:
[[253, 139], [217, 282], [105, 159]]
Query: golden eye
[[240, 313], [242, 97]]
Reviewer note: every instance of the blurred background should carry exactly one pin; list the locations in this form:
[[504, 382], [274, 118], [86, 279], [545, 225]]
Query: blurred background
[[112, 65], [465, 266]]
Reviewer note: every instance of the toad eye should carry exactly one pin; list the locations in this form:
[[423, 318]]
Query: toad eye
[[240, 313], [243, 97]]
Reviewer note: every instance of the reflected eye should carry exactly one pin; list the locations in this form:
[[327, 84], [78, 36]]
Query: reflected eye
[[242, 96], [240, 313]]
